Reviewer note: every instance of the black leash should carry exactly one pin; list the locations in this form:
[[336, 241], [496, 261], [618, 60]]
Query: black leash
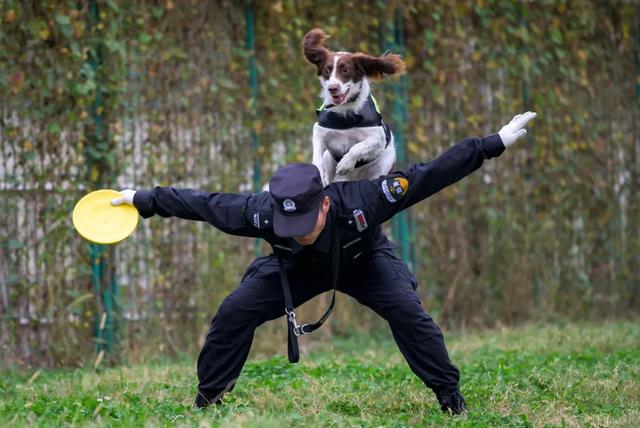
[[295, 329]]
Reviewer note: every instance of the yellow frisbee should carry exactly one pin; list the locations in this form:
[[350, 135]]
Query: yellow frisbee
[[98, 221]]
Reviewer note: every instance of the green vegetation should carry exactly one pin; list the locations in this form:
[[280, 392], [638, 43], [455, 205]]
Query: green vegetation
[[575, 374], [98, 93]]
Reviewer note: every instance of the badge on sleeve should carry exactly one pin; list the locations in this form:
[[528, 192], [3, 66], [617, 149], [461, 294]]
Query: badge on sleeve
[[261, 220], [395, 188]]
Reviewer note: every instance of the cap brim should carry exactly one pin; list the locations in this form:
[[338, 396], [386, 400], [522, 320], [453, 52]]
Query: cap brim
[[289, 226]]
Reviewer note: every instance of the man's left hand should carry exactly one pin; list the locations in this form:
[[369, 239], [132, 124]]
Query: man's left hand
[[514, 130]]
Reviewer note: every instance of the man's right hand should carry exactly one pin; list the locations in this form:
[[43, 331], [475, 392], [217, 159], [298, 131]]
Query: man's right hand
[[126, 197]]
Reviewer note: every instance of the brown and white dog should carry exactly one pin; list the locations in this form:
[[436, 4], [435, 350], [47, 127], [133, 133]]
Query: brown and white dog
[[350, 139]]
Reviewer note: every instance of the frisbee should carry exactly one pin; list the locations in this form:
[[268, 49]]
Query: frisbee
[[98, 221]]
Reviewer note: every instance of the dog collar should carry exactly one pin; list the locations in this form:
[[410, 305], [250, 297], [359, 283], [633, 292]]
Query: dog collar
[[369, 115]]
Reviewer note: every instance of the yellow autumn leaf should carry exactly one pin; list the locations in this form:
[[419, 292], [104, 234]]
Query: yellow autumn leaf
[[257, 126], [44, 33], [409, 60], [95, 173], [582, 54], [78, 28]]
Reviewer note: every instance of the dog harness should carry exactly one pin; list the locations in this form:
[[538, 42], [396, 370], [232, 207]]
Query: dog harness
[[369, 115]]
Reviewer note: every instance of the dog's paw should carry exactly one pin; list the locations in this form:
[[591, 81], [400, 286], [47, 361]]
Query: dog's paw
[[339, 177], [344, 167], [324, 177]]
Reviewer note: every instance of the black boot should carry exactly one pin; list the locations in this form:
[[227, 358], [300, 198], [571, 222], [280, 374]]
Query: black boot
[[202, 401], [452, 402]]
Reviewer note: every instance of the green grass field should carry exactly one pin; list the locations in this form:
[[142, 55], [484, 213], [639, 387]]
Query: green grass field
[[571, 374]]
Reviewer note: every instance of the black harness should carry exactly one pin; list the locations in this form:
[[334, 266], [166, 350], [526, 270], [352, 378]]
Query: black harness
[[368, 116], [295, 329]]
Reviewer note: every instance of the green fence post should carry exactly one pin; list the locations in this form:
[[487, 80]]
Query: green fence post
[[253, 85], [96, 281], [635, 179], [528, 175], [103, 278], [401, 222]]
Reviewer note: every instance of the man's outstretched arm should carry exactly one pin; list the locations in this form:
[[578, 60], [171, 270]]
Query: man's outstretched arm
[[225, 211], [401, 190]]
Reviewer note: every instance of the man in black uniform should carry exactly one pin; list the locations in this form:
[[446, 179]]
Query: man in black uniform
[[306, 225]]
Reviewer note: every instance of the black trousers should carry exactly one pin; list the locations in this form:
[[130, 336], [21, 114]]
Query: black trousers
[[382, 282]]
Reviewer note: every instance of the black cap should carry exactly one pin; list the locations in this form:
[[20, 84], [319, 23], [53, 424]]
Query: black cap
[[297, 192]]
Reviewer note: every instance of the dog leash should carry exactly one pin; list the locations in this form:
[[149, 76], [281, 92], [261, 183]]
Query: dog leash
[[293, 328]]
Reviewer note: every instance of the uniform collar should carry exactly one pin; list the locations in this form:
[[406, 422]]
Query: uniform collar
[[323, 243]]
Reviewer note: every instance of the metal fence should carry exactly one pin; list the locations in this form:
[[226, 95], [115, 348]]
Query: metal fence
[[136, 95]]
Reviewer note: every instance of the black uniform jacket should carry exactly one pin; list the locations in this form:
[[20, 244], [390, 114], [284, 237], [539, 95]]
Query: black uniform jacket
[[362, 206]]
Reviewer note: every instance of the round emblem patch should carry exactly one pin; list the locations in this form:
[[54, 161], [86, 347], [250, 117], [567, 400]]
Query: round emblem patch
[[395, 188], [289, 205]]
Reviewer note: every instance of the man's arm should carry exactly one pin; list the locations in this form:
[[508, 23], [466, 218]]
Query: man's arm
[[401, 190], [225, 211]]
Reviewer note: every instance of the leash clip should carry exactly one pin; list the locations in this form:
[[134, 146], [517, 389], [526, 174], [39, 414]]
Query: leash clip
[[298, 330]]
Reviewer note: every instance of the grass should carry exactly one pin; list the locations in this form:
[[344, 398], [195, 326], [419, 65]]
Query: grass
[[571, 375]]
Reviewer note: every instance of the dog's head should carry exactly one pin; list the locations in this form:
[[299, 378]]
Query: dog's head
[[341, 73]]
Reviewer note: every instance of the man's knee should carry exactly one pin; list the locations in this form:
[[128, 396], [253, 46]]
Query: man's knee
[[403, 308], [233, 319], [409, 318], [407, 313], [232, 309]]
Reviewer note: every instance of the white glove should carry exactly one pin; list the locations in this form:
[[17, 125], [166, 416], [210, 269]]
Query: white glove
[[514, 130], [125, 198]]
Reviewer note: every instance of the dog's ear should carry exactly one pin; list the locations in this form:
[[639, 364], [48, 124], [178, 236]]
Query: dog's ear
[[313, 47], [375, 68]]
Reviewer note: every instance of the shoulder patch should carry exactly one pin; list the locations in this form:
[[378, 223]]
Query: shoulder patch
[[394, 188]]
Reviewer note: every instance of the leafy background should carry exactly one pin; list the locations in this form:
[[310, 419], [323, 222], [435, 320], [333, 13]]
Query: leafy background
[[135, 94]]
